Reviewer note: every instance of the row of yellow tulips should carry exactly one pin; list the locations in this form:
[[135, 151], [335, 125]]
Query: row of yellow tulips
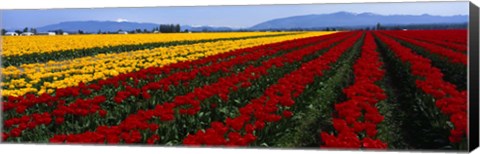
[[17, 46]]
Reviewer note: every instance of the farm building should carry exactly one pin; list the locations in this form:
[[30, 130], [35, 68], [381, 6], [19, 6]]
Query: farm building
[[27, 34], [46, 33], [122, 32], [11, 34]]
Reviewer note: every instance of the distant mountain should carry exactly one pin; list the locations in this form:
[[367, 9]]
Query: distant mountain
[[95, 26], [346, 19], [204, 28]]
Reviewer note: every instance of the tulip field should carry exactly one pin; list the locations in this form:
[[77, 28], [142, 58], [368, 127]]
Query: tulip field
[[384, 89]]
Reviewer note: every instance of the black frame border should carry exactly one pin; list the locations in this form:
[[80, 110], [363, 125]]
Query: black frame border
[[473, 46]]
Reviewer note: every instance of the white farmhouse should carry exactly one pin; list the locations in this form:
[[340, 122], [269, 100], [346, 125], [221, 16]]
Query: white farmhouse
[[64, 33], [27, 34], [122, 32], [46, 33], [11, 34]]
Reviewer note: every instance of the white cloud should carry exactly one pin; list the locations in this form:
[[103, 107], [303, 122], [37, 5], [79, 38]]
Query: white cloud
[[121, 20]]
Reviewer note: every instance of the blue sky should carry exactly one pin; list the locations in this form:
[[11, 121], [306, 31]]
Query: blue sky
[[232, 16]]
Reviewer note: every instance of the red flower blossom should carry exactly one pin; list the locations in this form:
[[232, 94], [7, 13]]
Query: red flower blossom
[[213, 105], [259, 125], [58, 139], [102, 113], [146, 95], [16, 132], [153, 127], [373, 144], [153, 139], [21, 109], [4, 136], [287, 114], [59, 120], [113, 139]]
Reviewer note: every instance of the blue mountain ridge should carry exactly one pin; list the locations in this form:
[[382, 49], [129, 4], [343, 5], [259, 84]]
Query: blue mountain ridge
[[347, 19], [95, 26], [338, 19]]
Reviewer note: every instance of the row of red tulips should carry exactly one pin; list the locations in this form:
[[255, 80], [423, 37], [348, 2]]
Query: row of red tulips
[[446, 38], [452, 56], [359, 114], [448, 99]]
